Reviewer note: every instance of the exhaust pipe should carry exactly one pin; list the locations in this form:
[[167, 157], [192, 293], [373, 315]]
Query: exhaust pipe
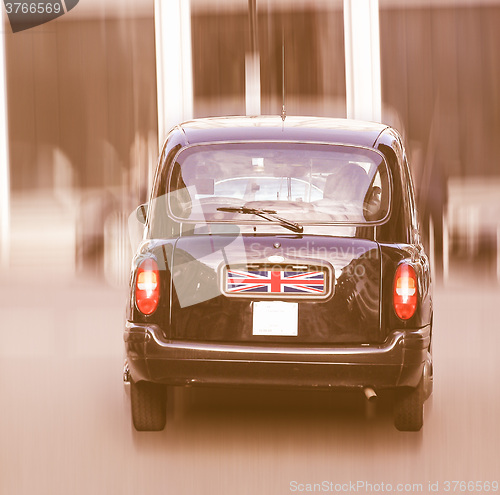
[[370, 394]]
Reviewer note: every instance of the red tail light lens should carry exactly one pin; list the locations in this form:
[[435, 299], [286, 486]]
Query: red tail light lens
[[147, 287], [405, 291]]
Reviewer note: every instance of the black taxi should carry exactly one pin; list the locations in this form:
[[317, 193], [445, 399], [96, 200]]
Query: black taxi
[[280, 253]]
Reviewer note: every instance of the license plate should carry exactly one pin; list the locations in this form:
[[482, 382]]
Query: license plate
[[275, 318]]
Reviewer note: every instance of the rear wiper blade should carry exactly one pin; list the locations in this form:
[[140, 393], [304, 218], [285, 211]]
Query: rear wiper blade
[[269, 215]]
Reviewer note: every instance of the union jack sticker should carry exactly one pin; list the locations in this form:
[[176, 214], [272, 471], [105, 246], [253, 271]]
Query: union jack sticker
[[275, 282]]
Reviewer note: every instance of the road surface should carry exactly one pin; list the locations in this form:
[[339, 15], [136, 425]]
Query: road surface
[[65, 425]]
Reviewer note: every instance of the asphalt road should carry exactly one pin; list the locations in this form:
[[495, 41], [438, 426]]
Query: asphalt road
[[65, 425]]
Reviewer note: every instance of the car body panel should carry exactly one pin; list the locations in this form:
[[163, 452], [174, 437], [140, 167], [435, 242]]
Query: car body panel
[[344, 314], [271, 128]]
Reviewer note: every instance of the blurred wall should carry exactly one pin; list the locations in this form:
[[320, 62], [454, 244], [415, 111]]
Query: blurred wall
[[85, 88], [441, 72], [314, 59]]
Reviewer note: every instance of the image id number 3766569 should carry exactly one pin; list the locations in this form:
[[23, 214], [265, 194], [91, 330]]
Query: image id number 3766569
[[33, 8]]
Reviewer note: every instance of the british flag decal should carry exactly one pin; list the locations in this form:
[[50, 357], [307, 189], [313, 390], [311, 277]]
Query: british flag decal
[[273, 282]]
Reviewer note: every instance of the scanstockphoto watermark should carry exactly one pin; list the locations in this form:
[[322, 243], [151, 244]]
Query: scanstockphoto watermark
[[356, 487], [27, 14], [456, 486], [348, 249]]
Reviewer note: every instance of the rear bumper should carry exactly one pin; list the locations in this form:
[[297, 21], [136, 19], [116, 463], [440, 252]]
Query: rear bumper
[[397, 362]]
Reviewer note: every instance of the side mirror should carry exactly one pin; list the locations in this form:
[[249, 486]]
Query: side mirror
[[141, 213]]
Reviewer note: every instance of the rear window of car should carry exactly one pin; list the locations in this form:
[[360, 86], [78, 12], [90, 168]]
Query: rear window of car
[[309, 183]]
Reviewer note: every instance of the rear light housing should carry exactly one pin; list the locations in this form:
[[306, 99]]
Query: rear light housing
[[405, 292], [147, 286]]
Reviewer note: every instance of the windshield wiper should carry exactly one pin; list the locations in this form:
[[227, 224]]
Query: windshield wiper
[[269, 215]]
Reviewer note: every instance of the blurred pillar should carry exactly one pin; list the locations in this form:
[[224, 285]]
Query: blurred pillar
[[362, 59], [252, 84], [4, 153], [252, 65], [446, 246], [174, 69]]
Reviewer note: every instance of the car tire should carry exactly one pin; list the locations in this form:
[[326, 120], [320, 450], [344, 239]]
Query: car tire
[[409, 408], [149, 406], [428, 377]]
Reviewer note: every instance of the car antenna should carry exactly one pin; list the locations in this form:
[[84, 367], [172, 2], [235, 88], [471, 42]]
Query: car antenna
[[283, 111]]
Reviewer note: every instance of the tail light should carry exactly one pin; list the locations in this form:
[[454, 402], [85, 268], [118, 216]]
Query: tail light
[[405, 291], [147, 287]]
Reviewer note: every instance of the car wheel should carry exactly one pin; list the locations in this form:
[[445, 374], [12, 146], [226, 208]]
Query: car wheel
[[149, 405], [409, 408]]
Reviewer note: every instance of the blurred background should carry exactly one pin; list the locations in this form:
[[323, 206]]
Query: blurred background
[[83, 124], [87, 101]]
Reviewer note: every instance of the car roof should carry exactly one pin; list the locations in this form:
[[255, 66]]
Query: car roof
[[272, 128]]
